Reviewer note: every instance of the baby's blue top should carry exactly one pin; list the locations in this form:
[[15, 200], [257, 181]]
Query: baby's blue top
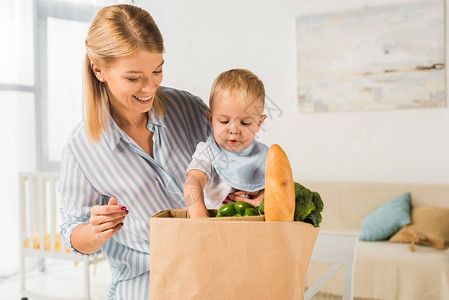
[[243, 170]]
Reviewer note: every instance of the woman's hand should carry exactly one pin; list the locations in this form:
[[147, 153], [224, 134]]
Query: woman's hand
[[106, 220], [254, 198]]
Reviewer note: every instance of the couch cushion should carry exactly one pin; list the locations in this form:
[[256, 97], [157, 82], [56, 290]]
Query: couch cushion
[[386, 220], [431, 221]]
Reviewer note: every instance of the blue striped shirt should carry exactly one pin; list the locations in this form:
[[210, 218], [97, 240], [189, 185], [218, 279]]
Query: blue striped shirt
[[117, 166]]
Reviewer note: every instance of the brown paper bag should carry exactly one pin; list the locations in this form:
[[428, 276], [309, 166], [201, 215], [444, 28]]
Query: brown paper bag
[[228, 258]]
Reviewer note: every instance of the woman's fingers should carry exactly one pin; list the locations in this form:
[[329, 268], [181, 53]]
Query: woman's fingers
[[107, 225], [107, 234], [112, 201], [235, 198], [250, 194], [104, 223], [106, 220], [255, 201], [99, 219], [240, 193], [107, 209], [111, 208], [104, 230]]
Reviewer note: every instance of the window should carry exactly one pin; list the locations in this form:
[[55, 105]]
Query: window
[[40, 94], [61, 33]]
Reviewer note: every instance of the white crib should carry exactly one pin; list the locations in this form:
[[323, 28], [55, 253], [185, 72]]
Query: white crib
[[39, 236]]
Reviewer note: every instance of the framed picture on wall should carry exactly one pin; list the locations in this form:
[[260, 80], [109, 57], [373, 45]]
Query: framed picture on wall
[[385, 57]]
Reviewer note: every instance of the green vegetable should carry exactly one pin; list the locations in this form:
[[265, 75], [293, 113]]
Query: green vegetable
[[317, 201], [304, 203], [227, 210], [237, 209], [251, 212], [314, 218], [241, 206], [260, 208], [308, 206]]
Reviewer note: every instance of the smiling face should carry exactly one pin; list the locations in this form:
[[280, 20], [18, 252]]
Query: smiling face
[[132, 82], [235, 123]]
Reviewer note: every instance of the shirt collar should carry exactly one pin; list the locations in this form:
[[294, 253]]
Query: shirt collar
[[114, 133], [155, 120]]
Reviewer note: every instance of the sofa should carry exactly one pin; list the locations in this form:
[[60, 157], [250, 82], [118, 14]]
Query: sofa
[[383, 269]]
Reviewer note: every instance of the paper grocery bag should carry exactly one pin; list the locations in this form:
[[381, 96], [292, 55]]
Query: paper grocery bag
[[228, 258]]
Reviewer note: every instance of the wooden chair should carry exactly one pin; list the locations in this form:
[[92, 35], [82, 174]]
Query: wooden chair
[[39, 236], [339, 249]]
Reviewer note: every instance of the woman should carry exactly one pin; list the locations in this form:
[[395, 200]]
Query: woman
[[127, 160]]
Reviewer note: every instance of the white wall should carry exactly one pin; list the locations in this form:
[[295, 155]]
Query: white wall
[[204, 38]]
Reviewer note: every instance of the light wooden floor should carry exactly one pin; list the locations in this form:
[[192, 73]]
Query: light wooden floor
[[61, 278]]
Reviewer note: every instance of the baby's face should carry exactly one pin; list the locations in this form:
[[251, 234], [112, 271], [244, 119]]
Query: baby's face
[[235, 125]]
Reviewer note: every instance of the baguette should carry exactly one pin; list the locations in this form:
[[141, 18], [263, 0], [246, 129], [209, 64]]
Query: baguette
[[279, 187]]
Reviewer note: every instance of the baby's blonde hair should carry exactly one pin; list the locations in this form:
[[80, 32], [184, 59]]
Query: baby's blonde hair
[[239, 83], [116, 31]]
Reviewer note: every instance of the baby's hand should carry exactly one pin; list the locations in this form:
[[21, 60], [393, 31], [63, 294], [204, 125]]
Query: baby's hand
[[254, 198]]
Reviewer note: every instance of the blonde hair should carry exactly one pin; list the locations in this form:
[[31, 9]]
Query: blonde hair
[[116, 31], [239, 83]]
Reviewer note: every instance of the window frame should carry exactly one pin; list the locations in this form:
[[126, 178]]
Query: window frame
[[42, 10]]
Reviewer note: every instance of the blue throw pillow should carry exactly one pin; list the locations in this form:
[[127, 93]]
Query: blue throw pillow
[[386, 220]]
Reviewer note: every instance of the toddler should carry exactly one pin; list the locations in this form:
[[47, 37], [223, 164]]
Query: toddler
[[231, 160]]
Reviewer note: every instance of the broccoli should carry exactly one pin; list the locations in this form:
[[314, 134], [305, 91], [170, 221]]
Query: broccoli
[[308, 206], [317, 201], [314, 218], [304, 202]]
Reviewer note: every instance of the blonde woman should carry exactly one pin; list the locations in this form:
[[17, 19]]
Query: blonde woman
[[127, 160]]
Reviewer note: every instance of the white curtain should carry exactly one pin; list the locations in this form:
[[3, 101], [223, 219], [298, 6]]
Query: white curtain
[[41, 56]]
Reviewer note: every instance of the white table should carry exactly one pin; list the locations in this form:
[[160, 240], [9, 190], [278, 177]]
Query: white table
[[340, 249]]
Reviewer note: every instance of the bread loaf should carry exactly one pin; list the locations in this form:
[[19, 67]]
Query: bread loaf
[[279, 187]]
